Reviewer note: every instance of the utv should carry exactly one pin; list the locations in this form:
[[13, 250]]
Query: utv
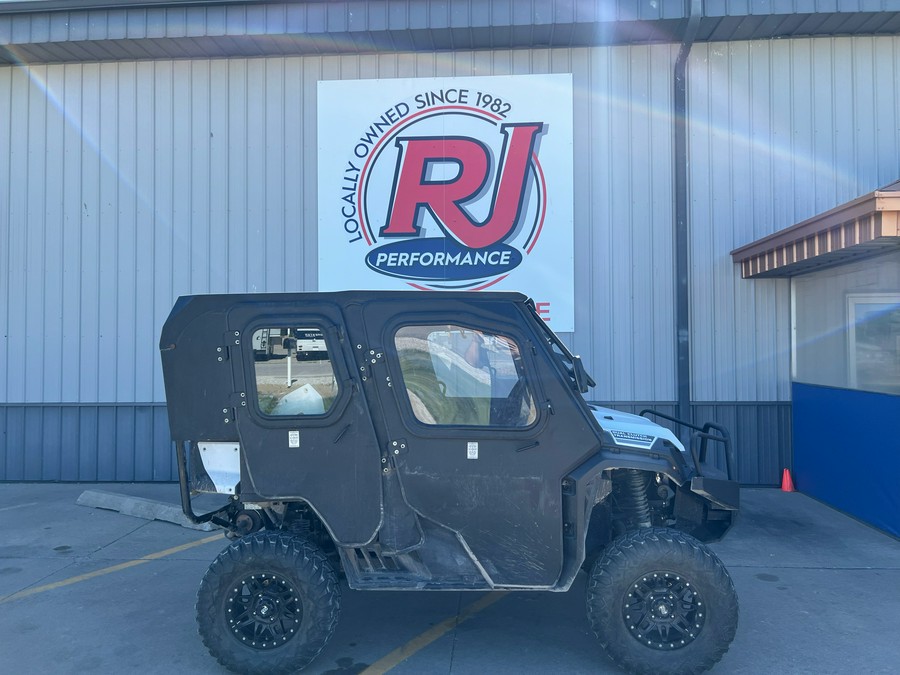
[[443, 443]]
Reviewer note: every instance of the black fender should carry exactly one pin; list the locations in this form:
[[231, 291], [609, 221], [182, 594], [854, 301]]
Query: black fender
[[585, 486], [703, 508]]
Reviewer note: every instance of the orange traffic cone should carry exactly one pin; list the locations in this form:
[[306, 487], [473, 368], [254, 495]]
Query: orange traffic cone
[[787, 485]]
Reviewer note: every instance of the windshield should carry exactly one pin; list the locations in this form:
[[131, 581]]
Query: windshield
[[579, 378]]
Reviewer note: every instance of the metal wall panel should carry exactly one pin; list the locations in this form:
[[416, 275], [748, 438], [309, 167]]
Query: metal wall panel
[[86, 443], [131, 183], [761, 434], [39, 32], [779, 131], [131, 442], [625, 326], [6, 232]]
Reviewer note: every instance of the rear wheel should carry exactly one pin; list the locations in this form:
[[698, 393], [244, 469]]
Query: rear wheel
[[268, 604], [661, 602]]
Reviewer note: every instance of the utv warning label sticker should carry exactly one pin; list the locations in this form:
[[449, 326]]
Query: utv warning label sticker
[[472, 450], [633, 439]]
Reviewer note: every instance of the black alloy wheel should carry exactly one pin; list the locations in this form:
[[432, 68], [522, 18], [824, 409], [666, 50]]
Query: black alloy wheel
[[264, 610], [663, 610], [268, 604], [661, 603]]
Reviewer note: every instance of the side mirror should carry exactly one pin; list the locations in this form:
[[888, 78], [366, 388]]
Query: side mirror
[[583, 381]]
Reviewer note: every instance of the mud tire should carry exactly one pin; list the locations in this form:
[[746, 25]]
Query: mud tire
[[691, 588], [285, 596]]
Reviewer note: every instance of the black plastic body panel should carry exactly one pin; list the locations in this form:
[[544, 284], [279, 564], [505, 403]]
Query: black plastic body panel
[[337, 467], [725, 494], [403, 499], [506, 505]]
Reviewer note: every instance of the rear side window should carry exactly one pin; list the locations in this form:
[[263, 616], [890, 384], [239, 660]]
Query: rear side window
[[294, 374], [455, 375]]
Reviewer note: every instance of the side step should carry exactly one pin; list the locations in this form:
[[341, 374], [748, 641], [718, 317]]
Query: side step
[[370, 567]]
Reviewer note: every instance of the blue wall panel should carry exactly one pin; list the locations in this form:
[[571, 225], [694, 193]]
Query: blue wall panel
[[86, 443], [847, 451]]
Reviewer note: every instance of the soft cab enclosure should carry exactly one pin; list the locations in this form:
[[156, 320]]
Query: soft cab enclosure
[[437, 423], [415, 441]]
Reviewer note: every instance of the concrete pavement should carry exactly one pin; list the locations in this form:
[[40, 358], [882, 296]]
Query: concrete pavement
[[90, 590]]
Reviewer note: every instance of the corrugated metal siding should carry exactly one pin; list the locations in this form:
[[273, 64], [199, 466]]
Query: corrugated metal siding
[[131, 442], [86, 443], [779, 131], [132, 183], [624, 322], [30, 34], [260, 29], [760, 433]]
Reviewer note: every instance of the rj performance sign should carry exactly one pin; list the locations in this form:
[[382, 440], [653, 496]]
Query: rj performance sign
[[449, 184]]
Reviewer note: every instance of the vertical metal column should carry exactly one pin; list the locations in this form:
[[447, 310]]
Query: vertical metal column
[[682, 290]]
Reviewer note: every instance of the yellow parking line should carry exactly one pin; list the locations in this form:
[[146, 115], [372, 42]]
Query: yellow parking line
[[402, 653], [18, 506], [109, 570]]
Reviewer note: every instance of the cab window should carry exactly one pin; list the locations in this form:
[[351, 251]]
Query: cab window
[[455, 375], [294, 375]]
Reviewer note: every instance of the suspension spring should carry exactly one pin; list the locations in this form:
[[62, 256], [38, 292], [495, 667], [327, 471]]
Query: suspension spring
[[632, 498]]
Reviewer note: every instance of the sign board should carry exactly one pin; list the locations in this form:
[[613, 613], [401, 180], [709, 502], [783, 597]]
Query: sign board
[[448, 184]]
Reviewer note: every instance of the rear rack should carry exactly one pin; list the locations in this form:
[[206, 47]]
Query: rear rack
[[702, 436]]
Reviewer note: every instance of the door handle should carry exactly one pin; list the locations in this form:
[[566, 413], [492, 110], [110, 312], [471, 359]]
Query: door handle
[[341, 434]]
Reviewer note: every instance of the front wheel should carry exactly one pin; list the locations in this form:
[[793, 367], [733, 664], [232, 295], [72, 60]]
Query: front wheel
[[660, 602], [268, 604]]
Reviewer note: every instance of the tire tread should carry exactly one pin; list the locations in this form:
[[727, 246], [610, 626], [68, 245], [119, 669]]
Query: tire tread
[[615, 568], [283, 553]]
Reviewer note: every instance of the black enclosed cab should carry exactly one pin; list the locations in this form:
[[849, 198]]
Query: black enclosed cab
[[438, 441]]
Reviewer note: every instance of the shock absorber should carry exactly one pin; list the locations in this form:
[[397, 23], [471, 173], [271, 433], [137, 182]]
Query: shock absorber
[[631, 498]]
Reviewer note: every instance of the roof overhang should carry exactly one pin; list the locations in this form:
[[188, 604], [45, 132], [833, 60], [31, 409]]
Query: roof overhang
[[864, 227], [59, 31]]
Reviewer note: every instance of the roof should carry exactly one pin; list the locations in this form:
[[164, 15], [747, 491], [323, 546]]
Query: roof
[[864, 227], [49, 31]]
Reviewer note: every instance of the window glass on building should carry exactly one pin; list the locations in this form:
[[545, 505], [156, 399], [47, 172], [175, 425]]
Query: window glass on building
[[847, 326], [455, 375]]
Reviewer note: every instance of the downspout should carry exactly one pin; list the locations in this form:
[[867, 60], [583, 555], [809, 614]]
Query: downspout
[[682, 290]]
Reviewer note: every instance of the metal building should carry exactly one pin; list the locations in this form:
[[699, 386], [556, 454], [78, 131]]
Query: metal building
[[155, 149]]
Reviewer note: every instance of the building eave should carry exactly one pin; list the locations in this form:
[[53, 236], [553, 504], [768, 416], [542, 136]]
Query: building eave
[[50, 31], [863, 227]]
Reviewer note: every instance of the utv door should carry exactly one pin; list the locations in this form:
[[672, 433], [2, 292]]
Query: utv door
[[482, 430], [305, 430]]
